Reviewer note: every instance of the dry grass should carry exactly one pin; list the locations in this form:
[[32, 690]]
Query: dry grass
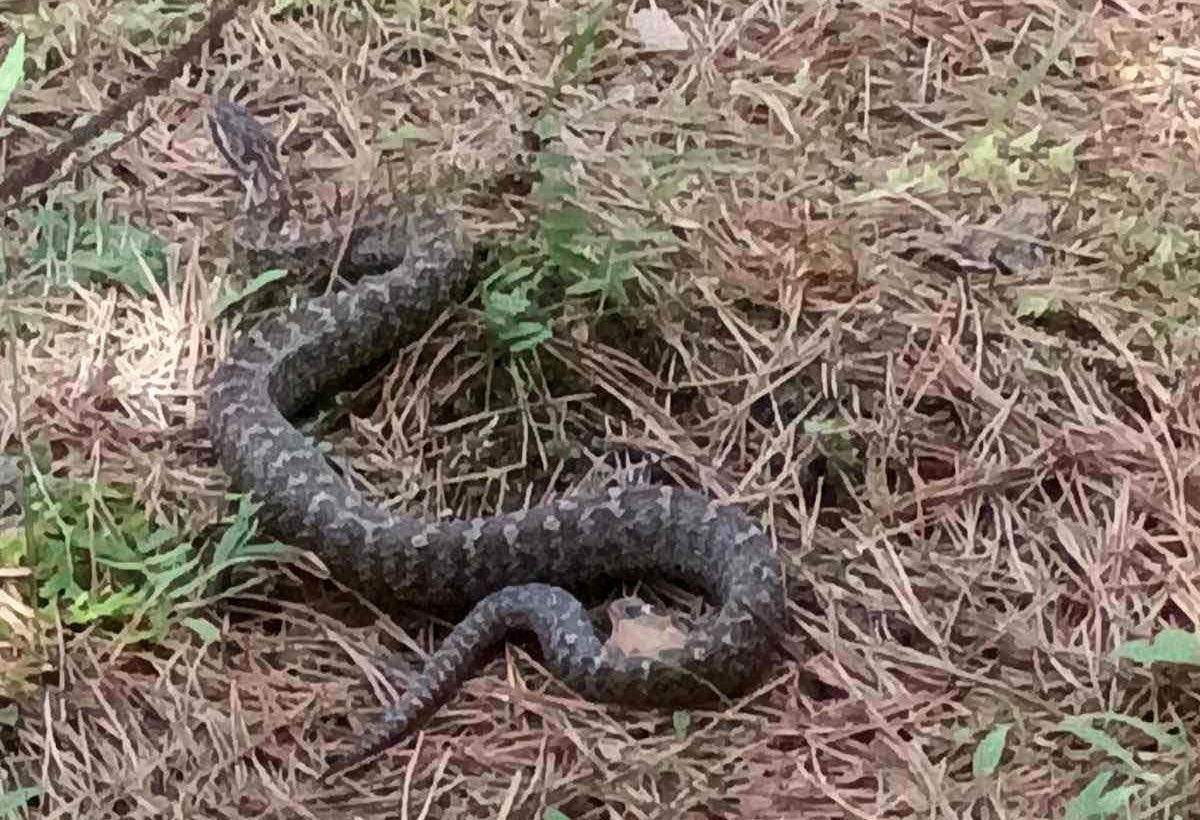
[[983, 481]]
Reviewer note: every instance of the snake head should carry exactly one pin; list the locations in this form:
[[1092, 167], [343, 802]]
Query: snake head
[[249, 148]]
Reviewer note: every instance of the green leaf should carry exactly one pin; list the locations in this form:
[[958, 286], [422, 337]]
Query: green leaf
[[1164, 251], [1062, 157], [569, 260], [8, 715], [554, 814], [1166, 739], [1093, 801], [1099, 740], [87, 608], [522, 329], [207, 632], [824, 426], [12, 70], [149, 563], [256, 284], [1024, 143], [584, 40], [587, 286], [982, 157], [547, 125], [681, 720], [150, 575], [932, 181], [528, 335], [530, 343], [96, 249], [506, 304], [553, 188], [156, 540], [235, 534], [508, 276], [1117, 800], [59, 582], [265, 551], [1035, 304], [989, 751], [10, 802], [1169, 646], [563, 224], [405, 134]]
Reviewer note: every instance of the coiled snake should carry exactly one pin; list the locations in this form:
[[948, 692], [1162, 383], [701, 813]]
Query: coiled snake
[[507, 566]]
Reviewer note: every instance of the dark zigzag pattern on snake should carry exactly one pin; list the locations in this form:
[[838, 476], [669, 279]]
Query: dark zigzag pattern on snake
[[510, 567]]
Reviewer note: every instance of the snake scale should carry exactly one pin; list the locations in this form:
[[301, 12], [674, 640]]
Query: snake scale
[[504, 571]]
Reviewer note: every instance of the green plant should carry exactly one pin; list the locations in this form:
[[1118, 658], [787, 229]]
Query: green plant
[[229, 295], [581, 46], [13, 802], [1179, 646], [1134, 778], [990, 750], [99, 559], [1096, 800], [96, 250], [12, 70], [566, 259]]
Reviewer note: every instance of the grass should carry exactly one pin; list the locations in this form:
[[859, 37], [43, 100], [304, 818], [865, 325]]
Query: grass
[[915, 283]]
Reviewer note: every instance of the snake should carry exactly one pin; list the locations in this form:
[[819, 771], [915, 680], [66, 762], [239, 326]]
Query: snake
[[507, 573]]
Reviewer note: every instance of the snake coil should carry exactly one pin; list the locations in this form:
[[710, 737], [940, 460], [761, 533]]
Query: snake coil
[[504, 569]]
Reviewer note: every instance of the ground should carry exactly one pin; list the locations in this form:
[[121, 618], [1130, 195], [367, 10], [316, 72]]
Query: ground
[[915, 283]]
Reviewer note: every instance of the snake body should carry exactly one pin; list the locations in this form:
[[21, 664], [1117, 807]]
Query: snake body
[[504, 570]]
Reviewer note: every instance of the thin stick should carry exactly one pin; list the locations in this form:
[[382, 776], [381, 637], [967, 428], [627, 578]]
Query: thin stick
[[38, 168]]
